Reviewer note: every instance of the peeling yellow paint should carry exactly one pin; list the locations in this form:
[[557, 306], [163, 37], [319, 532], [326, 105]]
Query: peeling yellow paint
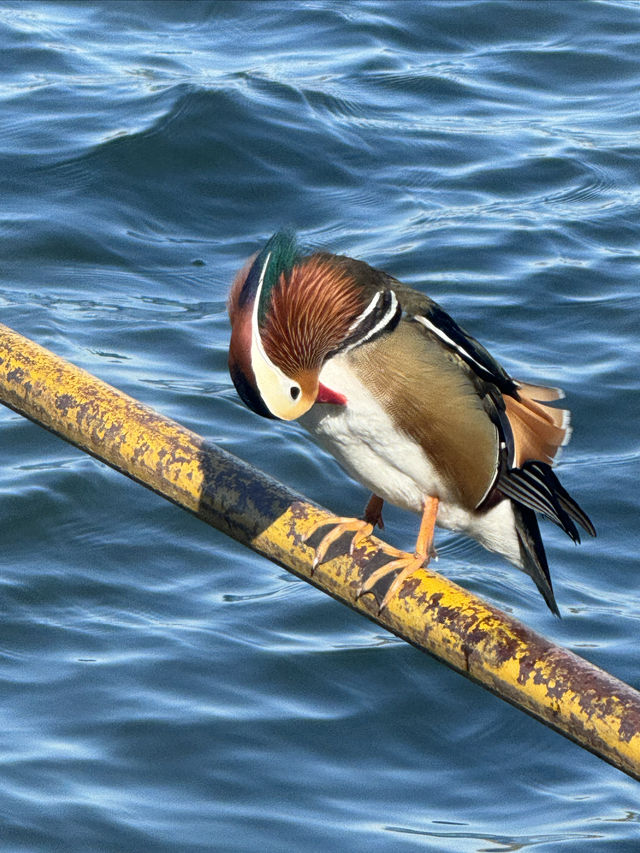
[[554, 685]]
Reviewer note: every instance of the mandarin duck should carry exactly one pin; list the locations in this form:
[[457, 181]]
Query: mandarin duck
[[409, 404]]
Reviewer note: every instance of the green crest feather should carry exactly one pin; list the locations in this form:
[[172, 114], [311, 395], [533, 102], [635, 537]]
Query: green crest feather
[[280, 255]]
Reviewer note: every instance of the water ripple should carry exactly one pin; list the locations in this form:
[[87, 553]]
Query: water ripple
[[164, 688]]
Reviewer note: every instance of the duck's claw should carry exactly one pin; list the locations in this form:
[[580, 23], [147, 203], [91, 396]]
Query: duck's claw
[[405, 565], [361, 529], [366, 529]]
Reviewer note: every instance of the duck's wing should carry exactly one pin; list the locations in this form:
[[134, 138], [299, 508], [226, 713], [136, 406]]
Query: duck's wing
[[435, 319], [532, 429]]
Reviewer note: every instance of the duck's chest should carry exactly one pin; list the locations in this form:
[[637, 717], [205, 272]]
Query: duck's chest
[[368, 444]]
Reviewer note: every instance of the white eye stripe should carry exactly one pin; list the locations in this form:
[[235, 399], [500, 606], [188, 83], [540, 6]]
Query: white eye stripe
[[255, 332], [281, 395], [257, 349]]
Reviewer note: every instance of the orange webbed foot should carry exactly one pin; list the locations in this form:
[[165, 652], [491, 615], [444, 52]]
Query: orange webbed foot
[[340, 526], [405, 564], [361, 528]]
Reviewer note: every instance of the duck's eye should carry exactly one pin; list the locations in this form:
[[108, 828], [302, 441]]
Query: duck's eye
[[295, 392]]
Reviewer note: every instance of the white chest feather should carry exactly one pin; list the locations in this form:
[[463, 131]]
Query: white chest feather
[[368, 445], [366, 442]]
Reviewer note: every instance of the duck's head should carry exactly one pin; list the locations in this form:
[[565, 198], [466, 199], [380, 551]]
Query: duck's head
[[291, 312]]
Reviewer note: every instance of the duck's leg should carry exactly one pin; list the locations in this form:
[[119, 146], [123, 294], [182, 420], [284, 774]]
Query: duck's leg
[[361, 528], [407, 564], [373, 514]]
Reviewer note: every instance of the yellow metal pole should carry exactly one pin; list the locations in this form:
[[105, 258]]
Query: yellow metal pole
[[579, 700]]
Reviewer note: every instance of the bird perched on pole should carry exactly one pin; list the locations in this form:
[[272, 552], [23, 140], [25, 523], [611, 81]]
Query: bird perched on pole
[[410, 405]]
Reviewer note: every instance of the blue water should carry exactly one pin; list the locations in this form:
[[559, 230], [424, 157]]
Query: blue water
[[164, 689]]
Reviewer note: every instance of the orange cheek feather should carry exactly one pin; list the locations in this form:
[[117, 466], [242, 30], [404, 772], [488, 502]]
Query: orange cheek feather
[[326, 395]]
